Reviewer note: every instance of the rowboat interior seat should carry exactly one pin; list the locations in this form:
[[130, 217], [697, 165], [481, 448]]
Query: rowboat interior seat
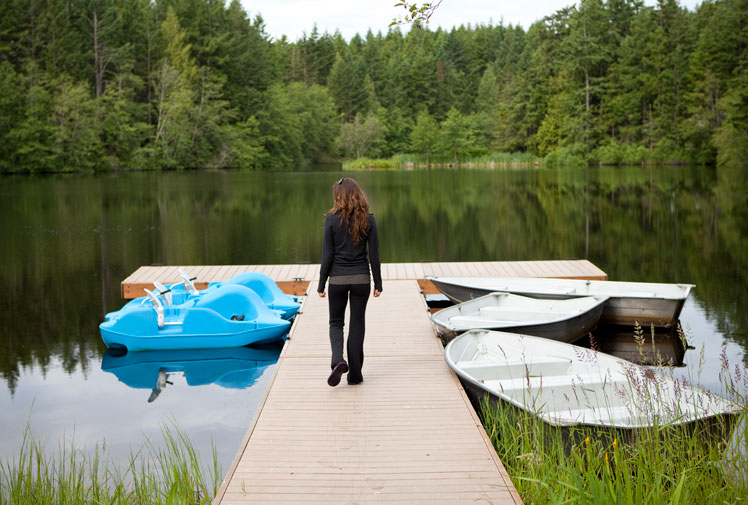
[[487, 370], [519, 314], [481, 322], [585, 391], [505, 317]]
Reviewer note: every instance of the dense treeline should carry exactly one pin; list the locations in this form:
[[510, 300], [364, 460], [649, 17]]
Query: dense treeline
[[115, 84]]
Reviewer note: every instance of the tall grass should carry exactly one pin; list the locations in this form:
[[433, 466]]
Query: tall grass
[[170, 475], [680, 463], [417, 161]]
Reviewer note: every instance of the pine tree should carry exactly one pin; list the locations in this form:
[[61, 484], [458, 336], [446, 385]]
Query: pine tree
[[348, 85], [75, 142], [457, 135], [425, 135], [12, 103]]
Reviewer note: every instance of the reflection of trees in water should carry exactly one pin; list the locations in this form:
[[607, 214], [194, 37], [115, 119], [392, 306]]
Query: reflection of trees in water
[[70, 241]]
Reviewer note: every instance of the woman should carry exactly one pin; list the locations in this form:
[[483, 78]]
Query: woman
[[349, 229]]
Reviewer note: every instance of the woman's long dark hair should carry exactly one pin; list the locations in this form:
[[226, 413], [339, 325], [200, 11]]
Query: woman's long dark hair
[[351, 204]]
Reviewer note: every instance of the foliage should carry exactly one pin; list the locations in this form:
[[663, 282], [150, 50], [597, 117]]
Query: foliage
[[423, 138], [298, 124], [415, 13], [360, 136], [457, 135], [372, 163], [108, 85]]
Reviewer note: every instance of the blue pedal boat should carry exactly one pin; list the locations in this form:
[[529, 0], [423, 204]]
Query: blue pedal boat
[[273, 297], [232, 316], [268, 290], [231, 368]]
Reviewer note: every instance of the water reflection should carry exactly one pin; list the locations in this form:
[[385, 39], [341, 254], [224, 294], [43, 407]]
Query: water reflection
[[233, 368], [661, 347]]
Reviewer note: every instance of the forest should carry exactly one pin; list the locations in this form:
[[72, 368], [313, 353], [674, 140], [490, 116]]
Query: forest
[[115, 85]]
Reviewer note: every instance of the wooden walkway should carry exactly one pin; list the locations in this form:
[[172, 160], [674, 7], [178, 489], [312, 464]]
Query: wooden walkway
[[407, 434], [294, 279]]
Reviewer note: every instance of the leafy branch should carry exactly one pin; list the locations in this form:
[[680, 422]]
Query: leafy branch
[[414, 13]]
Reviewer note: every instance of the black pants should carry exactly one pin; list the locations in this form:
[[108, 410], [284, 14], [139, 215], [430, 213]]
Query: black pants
[[338, 299]]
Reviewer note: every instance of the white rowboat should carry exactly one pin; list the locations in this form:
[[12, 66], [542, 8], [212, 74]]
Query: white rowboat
[[564, 320], [565, 385], [629, 303]]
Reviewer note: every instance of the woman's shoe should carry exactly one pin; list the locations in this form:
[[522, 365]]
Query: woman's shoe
[[337, 371], [352, 382]]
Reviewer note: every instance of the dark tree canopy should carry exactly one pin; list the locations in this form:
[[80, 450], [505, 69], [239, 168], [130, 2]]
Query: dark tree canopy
[[112, 85]]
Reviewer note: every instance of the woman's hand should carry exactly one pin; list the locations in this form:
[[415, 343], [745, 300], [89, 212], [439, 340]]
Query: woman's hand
[[321, 294], [377, 293]]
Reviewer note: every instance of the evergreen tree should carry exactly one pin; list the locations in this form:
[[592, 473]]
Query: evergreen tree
[[487, 107], [31, 137], [586, 59], [74, 143], [348, 85], [457, 135], [397, 128], [123, 126], [13, 107], [425, 135], [174, 82]]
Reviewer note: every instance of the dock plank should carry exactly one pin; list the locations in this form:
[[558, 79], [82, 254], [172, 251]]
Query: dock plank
[[307, 273], [586, 269], [472, 269], [400, 271], [535, 268], [273, 271], [200, 272], [142, 274]]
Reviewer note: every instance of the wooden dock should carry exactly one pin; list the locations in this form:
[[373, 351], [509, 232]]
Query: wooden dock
[[407, 434], [294, 279]]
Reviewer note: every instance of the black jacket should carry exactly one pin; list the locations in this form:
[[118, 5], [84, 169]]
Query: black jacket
[[340, 256]]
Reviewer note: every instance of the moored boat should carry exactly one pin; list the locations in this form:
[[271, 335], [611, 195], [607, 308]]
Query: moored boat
[[629, 303], [177, 294], [232, 316], [563, 320], [565, 385]]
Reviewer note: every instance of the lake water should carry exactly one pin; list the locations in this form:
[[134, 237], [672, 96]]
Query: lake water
[[68, 242]]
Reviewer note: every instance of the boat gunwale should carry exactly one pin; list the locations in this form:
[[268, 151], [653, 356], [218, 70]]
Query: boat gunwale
[[522, 324], [684, 286]]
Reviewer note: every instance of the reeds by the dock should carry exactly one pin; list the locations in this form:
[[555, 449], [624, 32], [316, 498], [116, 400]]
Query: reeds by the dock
[[168, 474], [659, 465]]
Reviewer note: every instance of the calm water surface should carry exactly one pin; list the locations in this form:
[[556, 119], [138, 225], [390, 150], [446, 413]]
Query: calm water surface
[[69, 241]]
